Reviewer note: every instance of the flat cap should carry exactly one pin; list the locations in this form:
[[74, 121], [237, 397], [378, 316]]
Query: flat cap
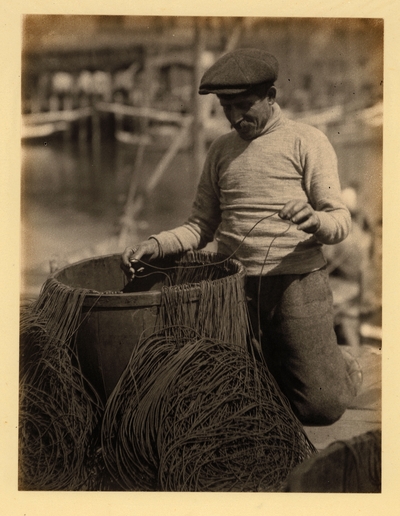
[[239, 70]]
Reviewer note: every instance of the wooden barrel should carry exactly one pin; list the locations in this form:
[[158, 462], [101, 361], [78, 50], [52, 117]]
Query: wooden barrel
[[117, 313]]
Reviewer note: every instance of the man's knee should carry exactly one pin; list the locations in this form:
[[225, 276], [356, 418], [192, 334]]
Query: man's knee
[[320, 415], [323, 408], [328, 392]]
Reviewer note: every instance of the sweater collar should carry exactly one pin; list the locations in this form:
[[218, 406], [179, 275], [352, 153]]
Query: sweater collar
[[273, 121]]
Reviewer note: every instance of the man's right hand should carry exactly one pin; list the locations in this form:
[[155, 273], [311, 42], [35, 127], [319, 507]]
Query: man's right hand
[[148, 249]]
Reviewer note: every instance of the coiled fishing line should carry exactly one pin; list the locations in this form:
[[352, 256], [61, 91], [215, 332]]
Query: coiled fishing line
[[202, 416]]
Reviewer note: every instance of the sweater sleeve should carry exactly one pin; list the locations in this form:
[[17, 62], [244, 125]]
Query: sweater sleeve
[[322, 184], [205, 216]]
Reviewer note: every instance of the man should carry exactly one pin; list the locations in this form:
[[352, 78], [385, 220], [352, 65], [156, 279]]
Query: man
[[270, 195]]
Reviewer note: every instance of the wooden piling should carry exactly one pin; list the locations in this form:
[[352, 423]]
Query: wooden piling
[[199, 149]]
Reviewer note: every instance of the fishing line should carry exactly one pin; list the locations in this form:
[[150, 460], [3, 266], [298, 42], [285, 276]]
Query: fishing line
[[203, 416], [221, 262], [260, 280], [59, 408]]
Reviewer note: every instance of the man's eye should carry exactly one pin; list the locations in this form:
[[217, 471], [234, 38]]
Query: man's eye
[[243, 107]]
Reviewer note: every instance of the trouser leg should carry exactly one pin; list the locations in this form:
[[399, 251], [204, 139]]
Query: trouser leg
[[299, 344]]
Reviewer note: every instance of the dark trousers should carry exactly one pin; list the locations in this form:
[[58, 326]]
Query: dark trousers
[[294, 317]]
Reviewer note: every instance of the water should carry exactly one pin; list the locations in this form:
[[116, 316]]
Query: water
[[73, 200]]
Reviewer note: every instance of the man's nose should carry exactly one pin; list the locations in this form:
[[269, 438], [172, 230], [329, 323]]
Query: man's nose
[[236, 115]]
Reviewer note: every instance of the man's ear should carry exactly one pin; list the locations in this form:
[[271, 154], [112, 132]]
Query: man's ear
[[271, 94]]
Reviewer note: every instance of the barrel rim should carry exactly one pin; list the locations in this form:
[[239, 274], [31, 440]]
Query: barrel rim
[[146, 298]]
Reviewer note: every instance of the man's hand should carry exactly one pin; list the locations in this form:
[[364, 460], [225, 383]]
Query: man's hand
[[148, 249], [302, 214]]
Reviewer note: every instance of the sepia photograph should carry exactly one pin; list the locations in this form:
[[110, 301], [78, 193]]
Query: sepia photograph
[[199, 305], [201, 254]]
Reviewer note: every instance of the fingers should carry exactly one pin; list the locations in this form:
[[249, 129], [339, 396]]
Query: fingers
[[310, 225], [302, 214], [292, 209], [134, 261], [132, 255], [126, 261]]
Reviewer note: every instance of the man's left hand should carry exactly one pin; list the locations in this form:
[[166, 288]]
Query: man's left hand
[[302, 214]]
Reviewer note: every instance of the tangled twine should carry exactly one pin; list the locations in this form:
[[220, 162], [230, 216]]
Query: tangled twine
[[59, 410], [203, 416]]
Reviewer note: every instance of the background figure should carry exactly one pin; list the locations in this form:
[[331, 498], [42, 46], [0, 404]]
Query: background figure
[[351, 271]]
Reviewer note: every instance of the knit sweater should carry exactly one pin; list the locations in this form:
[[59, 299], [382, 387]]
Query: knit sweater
[[243, 186]]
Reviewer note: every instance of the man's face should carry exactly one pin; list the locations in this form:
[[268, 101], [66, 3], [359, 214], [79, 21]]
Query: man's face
[[247, 113]]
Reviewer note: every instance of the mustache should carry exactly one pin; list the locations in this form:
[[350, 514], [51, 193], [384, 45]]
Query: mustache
[[243, 123]]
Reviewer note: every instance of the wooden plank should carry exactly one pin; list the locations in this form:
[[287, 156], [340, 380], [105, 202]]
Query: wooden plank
[[56, 116], [42, 130], [352, 423], [146, 112]]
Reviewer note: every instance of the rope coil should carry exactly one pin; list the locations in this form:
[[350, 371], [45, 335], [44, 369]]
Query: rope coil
[[59, 410], [204, 416]]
